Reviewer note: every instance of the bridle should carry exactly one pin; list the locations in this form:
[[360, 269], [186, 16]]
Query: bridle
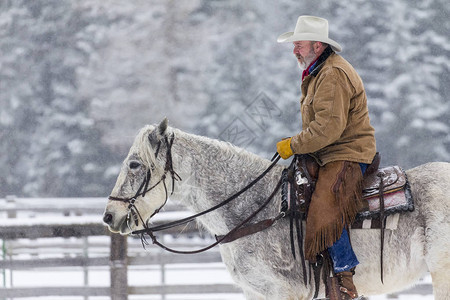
[[240, 230], [143, 188]]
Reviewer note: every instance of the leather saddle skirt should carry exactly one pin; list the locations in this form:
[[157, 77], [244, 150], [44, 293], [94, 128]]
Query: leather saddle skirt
[[389, 184]]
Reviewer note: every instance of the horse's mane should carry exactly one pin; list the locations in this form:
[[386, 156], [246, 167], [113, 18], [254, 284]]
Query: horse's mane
[[142, 146], [227, 151]]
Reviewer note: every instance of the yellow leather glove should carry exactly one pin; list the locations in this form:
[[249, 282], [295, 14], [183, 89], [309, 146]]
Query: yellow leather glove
[[284, 148]]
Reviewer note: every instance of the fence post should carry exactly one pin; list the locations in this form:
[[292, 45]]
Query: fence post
[[119, 267], [4, 258], [11, 202], [12, 214]]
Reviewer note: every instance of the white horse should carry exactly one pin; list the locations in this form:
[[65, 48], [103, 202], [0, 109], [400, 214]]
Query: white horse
[[262, 264]]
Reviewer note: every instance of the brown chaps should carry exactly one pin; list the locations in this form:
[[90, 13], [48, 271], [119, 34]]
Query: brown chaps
[[334, 204]]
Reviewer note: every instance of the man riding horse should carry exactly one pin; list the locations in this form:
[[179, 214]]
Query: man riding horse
[[336, 131]]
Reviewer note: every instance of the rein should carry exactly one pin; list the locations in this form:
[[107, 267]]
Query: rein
[[232, 235], [223, 203], [225, 238]]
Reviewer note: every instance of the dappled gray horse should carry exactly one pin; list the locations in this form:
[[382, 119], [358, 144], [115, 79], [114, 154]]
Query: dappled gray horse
[[262, 264]]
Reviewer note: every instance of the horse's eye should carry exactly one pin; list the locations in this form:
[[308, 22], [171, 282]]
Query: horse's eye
[[134, 165]]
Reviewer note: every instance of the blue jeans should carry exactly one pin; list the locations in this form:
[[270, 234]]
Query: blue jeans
[[341, 252]]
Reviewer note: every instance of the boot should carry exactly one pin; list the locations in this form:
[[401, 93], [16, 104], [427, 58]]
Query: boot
[[346, 286]]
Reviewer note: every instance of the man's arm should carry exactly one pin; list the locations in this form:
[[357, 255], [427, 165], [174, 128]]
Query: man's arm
[[331, 107]]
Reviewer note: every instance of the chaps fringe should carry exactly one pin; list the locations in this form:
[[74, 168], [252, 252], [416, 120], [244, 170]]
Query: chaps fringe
[[334, 205], [349, 192]]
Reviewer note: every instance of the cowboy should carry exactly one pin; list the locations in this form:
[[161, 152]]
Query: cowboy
[[336, 131]]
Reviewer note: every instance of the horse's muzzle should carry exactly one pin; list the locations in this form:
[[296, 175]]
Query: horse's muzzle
[[107, 218], [115, 223]]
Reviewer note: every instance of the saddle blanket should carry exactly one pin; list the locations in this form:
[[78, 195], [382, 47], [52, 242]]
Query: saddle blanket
[[391, 223]]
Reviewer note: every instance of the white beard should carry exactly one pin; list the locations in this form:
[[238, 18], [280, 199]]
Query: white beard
[[306, 61], [301, 65]]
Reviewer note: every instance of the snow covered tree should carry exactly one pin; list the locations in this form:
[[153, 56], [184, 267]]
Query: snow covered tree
[[149, 70], [60, 153], [79, 78], [405, 78], [18, 117], [247, 84]]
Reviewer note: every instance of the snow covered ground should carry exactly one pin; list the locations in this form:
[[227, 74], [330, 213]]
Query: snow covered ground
[[175, 274], [185, 274]]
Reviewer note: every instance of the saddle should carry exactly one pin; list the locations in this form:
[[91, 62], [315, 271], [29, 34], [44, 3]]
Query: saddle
[[385, 192]]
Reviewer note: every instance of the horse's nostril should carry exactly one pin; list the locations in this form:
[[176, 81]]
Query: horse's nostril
[[107, 218]]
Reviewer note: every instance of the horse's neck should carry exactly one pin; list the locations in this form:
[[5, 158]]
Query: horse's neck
[[212, 171]]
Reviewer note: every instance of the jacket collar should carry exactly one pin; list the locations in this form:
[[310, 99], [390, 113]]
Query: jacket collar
[[322, 58]]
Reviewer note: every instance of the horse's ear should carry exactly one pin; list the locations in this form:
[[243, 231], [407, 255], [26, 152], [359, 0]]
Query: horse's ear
[[163, 126], [158, 134]]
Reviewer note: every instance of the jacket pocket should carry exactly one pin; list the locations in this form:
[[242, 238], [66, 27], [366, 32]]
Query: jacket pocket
[[307, 109]]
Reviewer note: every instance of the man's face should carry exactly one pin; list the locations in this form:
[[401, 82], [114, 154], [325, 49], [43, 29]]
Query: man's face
[[304, 52]]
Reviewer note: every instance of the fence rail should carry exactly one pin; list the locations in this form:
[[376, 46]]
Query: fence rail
[[106, 291]]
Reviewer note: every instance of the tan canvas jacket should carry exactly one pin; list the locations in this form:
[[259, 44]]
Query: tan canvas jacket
[[335, 116]]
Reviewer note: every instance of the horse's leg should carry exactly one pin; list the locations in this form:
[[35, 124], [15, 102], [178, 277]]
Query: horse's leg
[[438, 258], [227, 252], [262, 277], [434, 206], [441, 285], [250, 295]]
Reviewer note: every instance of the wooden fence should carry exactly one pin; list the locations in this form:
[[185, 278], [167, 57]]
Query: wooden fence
[[53, 234], [67, 233]]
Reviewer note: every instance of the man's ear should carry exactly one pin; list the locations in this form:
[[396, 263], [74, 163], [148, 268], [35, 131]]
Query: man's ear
[[317, 46]]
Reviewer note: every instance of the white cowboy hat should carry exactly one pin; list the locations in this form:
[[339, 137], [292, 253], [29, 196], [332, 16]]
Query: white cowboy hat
[[310, 28]]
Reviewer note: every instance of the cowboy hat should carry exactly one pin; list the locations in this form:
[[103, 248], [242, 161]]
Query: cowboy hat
[[310, 28]]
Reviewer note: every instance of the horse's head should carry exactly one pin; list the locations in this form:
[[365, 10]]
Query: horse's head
[[141, 188]]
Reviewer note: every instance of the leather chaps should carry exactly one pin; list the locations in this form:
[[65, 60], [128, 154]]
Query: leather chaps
[[336, 200]]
